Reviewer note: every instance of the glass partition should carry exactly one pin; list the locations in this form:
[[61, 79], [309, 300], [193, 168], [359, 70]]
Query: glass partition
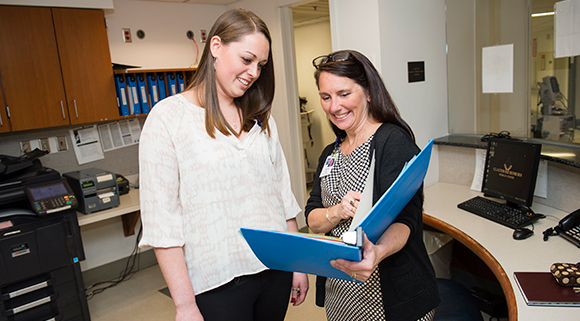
[[544, 94]]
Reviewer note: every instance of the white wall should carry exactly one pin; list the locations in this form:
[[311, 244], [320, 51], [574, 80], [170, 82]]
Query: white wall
[[412, 30], [312, 41], [165, 25]]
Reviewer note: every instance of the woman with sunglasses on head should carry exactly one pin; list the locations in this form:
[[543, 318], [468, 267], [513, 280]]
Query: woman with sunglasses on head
[[211, 163], [398, 279]]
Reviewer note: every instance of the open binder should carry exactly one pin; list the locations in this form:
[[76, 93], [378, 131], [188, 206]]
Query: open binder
[[312, 253]]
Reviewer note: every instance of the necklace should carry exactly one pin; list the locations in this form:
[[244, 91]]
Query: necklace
[[233, 123]]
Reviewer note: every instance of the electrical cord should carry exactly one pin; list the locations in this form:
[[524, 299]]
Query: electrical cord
[[126, 274], [502, 134]]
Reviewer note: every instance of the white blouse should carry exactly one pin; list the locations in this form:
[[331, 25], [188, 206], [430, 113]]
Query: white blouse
[[197, 191]]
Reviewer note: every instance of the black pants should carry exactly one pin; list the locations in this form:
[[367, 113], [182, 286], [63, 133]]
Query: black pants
[[260, 297]]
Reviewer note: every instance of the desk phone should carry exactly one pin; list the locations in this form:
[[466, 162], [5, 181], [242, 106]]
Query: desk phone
[[51, 197], [569, 227]]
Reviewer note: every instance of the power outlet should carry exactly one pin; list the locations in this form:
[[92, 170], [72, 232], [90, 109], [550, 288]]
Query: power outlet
[[203, 35], [25, 147], [61, 143], [127, 35], [44, 144]]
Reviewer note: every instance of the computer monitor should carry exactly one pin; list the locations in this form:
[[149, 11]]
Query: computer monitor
[[511, 168]]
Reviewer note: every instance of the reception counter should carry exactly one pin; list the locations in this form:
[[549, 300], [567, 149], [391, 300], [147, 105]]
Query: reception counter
[[494, 244]]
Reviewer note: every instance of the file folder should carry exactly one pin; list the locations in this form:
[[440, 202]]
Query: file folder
[[171, 84], [153, 92], [180, 82], [142, 88], [161, 86], [121, 95], [134, 107], [309, 253]]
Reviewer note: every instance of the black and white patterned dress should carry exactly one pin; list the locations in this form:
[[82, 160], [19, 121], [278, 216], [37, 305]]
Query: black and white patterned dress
[[346, 300]]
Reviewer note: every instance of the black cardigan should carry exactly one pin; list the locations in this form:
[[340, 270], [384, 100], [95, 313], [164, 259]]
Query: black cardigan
[[407, 277]]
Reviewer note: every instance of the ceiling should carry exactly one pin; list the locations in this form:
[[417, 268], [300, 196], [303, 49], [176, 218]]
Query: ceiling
[[304, 14]]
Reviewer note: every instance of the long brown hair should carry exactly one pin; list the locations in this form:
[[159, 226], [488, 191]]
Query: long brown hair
[[358, 68], [256, 103]]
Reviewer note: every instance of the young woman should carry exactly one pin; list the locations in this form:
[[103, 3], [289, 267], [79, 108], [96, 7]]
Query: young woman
[[210, 163]]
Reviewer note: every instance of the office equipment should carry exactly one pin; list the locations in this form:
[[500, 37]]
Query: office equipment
[[142, 91], [510, 171], [40, 252], [522, 233], [541, 289], [121, 95], [134, 106], [153, 91], [48, 198], [180, 82], [161, 86], [171, 83], [569, 227], [122, 184], [95, 189], [509, 216], [311, 254]]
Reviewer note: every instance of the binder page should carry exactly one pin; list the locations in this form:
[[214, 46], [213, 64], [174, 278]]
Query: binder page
[[366, 201]]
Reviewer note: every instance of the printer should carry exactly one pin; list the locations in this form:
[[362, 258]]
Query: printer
[[95, 189], [40, 243]]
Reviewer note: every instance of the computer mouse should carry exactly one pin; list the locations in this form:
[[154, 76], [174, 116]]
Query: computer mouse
[[522, 233]]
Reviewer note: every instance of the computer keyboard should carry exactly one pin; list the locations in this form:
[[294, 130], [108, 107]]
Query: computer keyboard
[[500, 213]]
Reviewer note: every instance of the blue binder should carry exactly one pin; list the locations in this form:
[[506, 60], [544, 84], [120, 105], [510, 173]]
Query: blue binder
[[153, 91], [171, 84], [142, 89], [134, 106], [121, 95], [180, 82], [308, 253], [161, 86]]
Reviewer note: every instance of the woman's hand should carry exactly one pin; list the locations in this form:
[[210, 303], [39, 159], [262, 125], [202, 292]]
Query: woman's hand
[[347, 206], [360, 270], [299, 288], [391, 242]]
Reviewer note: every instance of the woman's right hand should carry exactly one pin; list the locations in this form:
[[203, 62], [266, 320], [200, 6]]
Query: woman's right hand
[[188, 313], [347, 206]]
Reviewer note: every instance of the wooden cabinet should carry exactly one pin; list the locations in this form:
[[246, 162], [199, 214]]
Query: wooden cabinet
[[56, 67]]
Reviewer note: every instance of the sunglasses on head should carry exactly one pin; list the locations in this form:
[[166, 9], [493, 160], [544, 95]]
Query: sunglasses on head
[[334, 57]]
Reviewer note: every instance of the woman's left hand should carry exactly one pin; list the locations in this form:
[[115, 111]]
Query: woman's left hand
[[360, 270], [299, 288]]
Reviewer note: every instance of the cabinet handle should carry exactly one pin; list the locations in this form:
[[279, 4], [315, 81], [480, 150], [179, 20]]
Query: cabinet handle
[[1, 123], [29, 289], [62, 109], [76, 111]]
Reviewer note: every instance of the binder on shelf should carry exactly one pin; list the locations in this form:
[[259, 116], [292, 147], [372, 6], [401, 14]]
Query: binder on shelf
[[311, 253], [180, 82], [152, 86], [171, 84], [161, 86], [134, 107], [121, 95], [142, 90]]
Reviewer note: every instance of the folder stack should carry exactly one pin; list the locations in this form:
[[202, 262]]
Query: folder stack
[[134, 106], [121, 95], [143, 100]]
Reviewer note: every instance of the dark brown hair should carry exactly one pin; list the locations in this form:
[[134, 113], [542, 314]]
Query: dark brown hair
[[256, 102], [358, 68]]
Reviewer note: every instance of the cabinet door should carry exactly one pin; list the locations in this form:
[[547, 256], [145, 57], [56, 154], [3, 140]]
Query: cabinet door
[[4, 123], [86, 64], [30, 68]]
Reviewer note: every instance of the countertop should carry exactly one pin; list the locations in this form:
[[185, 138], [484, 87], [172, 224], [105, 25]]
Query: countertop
[[563, 153]]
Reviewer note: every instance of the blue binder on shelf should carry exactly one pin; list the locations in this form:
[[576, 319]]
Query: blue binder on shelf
[[311, 253], [161, 86], [180, 82], [142, 90], [121, 95], [171, 84], [153, 91], [134, 107]]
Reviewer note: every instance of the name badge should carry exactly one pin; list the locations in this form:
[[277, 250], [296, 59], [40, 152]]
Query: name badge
[[328, 165]]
